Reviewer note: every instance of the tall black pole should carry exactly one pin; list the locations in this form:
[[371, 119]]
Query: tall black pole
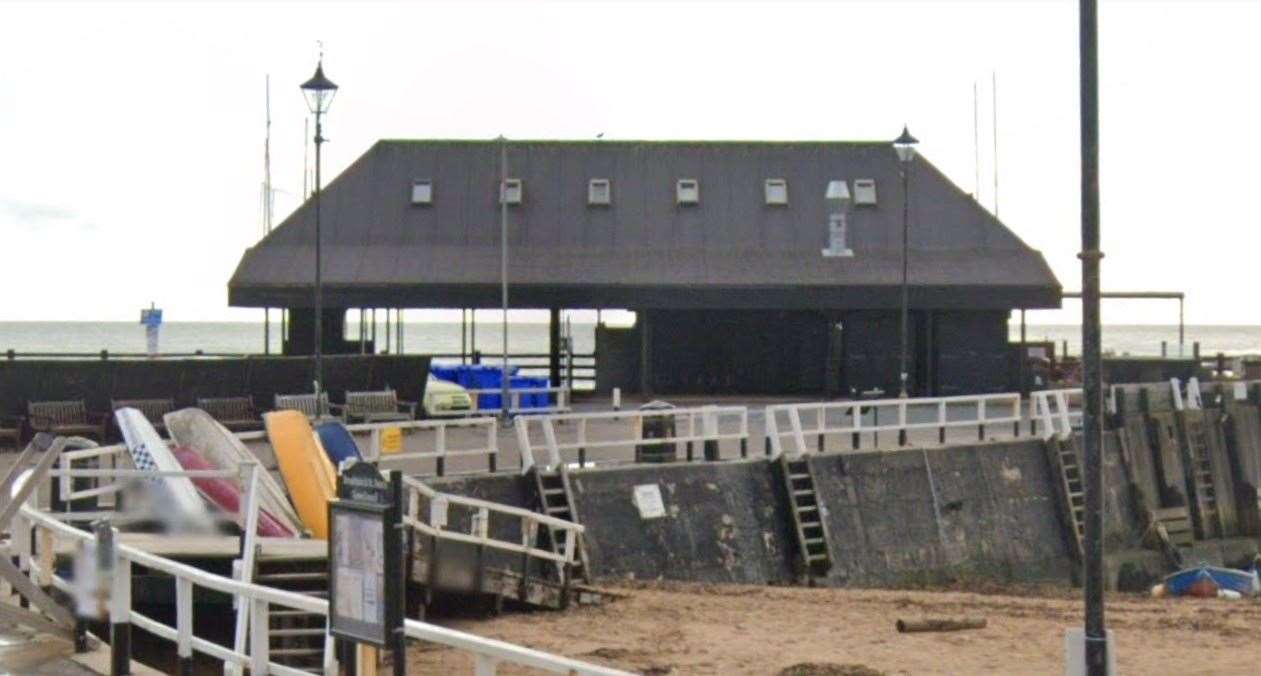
[[319, 268], [906, 219], [504, 403], [1092, 373]]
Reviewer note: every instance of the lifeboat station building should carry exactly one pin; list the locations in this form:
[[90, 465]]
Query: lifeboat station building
[[753, 267]]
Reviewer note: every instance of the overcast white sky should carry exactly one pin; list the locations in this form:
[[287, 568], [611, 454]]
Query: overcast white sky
[[131, 134]]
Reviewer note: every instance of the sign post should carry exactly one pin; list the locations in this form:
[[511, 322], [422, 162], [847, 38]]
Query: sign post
[[152, 321], [365, 558]]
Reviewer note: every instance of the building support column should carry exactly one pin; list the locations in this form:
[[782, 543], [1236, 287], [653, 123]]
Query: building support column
[[645, 354], [553, 347]]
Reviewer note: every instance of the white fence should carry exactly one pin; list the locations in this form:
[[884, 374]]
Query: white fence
[[35, 535], [540, 434], [443, 447], [427, 514], [1057, 412], [799, 422]]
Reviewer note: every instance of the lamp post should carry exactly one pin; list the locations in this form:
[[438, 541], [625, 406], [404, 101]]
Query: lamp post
[[905, 147], [504, 404], [319, 92]]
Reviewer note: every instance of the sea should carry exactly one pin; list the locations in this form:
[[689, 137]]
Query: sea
[[439, 338]]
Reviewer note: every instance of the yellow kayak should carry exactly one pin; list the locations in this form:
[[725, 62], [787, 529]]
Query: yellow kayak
[[304, 466]]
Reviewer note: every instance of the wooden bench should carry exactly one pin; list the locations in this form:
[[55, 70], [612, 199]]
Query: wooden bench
[[378, 406], [11, 430], [153, 409], [307, 405], [234, 413], [67, 418]]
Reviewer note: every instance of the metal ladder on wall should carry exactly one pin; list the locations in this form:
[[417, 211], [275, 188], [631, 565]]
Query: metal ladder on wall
[[1066, 466], [556, 499], [1205, 493], [813, 542], [296, 638]]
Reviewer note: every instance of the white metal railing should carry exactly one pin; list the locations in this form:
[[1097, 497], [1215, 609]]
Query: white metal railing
[[431, 518], [38, 560], [444, 447], [563, 400], [1057, 412], [105, 457], [797, 422], [699, 424]]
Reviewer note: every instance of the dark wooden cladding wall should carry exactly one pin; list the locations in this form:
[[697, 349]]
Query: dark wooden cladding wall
[[98, 381], [737, 352]]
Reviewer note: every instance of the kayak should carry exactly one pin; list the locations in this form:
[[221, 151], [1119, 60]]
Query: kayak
[[195, 429], [172, 499], [337, 442], [304, 466], [224, 494]]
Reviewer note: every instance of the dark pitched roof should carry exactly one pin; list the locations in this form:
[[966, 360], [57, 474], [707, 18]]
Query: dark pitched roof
[[731, 250]]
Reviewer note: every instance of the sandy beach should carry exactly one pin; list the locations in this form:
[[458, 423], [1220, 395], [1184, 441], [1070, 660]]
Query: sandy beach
[[705, 629]]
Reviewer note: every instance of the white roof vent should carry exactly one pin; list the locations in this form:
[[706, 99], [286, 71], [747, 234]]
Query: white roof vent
[[687, 191], [865, 191], [599, 192], [776, 192], [511, 191], [422, 191]]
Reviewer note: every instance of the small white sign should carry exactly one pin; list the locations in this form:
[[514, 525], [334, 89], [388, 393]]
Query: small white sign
[[648, 500], [438, 512]]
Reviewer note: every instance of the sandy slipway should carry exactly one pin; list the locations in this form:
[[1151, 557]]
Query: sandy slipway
[[707, 629]]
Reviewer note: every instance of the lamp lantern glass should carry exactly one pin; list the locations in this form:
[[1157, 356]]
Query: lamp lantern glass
[[319, 91], [905, 145]]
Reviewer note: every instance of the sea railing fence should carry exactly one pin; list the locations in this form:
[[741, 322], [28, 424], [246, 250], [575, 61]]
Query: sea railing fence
[[1058, 413], [429, 515], [708, 426], [444, 438], [38, 536], [990, 414]]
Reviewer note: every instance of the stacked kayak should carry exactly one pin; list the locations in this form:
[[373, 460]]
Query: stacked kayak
[[304, 466], [196, 430]]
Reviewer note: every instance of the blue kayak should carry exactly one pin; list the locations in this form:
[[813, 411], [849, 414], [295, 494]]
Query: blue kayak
[[337, 442], [1206, 580]]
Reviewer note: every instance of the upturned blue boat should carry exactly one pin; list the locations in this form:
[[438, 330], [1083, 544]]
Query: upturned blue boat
[[1205, 581]]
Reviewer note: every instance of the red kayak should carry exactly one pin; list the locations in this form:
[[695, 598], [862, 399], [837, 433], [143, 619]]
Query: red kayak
[[224, 494]]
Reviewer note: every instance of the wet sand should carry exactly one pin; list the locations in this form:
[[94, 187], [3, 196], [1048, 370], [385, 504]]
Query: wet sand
[[706, 629]]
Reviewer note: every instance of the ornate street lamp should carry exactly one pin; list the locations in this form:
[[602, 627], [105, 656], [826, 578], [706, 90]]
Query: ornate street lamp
[[319, 92], [905, 147]]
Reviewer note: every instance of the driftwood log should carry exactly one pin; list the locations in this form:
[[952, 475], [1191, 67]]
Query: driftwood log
[[940, 624]]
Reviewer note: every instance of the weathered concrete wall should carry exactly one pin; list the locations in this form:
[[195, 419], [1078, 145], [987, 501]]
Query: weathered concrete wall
[[997, 515], [723, 523]]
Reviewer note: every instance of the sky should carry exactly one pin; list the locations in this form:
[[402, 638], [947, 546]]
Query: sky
[[131, 134]]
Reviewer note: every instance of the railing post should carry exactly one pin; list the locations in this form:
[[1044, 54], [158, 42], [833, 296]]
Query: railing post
[[440, 448], [553, 448], [582, 442], [856, 414], [902, 422], [184, 625], [980, 417], [942, 414], [120, 616], [799, 439], [492, 445], [485, 665], [523, 444], [259, 630]]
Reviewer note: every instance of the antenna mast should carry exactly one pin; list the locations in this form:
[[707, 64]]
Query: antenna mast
[[268, 197], [976, 141], [994, 75]]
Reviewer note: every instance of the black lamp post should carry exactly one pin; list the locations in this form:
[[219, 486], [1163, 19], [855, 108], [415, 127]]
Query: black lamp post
[[319, 92], [905, 147]]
